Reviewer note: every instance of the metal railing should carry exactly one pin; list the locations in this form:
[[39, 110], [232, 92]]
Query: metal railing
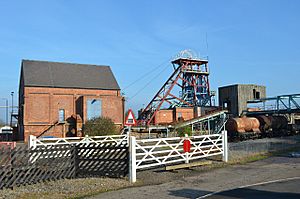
[[218, 118]]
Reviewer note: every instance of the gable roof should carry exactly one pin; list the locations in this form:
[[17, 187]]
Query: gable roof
[[67, 75]]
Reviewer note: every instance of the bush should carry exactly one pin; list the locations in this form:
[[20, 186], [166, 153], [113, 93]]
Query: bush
[[184, 130], [100, 126]]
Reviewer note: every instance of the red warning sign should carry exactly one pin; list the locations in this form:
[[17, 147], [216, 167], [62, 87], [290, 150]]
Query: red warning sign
[[130, 120]]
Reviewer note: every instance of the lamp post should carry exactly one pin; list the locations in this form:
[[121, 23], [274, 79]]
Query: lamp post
[[12, 106], [6, 109]]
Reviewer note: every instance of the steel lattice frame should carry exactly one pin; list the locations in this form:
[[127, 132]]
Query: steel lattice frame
[[191, 76], [282, 104]]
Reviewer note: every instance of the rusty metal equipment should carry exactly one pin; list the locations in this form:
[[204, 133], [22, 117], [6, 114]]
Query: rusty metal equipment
[[191, 76], [265, 123], [257, 124], [242, 125], [272, 123], [278, 122]]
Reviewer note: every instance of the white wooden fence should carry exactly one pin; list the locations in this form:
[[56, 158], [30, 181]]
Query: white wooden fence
[[148, 153], [34, 141]]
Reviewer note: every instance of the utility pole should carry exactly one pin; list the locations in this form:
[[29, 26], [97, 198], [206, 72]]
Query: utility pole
[[6, 122], [12, 107], [6, 111]]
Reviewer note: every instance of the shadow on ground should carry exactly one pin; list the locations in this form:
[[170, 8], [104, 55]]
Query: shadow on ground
[[248, 193], [188, 193]]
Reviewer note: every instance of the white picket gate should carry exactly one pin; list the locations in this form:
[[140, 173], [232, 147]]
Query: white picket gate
[[148, 153]]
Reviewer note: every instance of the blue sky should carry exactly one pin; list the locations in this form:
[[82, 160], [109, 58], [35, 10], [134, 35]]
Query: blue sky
[[248, 41]]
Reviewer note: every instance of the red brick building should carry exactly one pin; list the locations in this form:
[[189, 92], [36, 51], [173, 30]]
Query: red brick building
[[55, 99]]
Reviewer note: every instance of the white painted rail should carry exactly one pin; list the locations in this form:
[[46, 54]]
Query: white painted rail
[[34, 141], [148, 153]]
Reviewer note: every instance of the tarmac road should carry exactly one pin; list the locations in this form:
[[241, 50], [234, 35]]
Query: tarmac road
[[286, 188], [229, 178]]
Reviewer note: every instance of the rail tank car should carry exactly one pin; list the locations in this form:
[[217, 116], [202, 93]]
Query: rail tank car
[[265, 123], [258, 126], [278, 122], [243, 125], [272, 123]]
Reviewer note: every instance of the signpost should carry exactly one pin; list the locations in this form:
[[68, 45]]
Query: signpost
[[130, 120]]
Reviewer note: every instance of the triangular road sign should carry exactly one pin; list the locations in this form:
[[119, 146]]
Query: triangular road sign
[[130, 120]]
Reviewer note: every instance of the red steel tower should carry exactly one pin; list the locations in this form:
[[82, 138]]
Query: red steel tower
[[191, 76]]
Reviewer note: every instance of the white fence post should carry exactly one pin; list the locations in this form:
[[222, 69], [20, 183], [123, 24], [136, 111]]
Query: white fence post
[[187, 157], [31, 141], [132, 159], [225, 146]]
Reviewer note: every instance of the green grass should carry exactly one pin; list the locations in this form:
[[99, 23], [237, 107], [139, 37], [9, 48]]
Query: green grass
[[250, 158]]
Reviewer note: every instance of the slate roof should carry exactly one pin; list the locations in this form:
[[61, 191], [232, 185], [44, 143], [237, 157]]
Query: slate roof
[[68, 75]]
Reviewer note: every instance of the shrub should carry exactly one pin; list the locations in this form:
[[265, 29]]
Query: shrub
[[184, 130], [100, 126]]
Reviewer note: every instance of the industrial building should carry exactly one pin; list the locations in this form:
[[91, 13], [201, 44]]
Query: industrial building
[[234, 97], [56, 99]]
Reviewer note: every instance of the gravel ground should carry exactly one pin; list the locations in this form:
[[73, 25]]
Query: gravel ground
[[82, 187], [65, 188], [159, 175]]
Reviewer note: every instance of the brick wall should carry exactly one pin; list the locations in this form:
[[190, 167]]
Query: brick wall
[[186, 113], [164, 117], [168, 116], [41, 107]]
